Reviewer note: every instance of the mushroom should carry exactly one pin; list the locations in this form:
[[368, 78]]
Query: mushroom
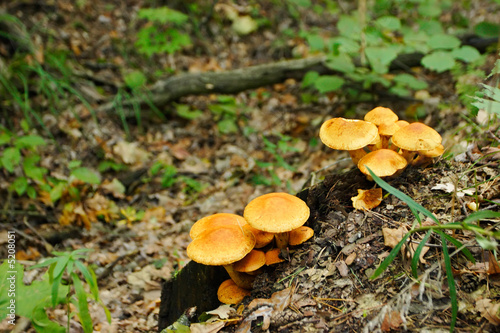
[[224, 246], [348, 134], [218, 220], [383, 163], [251, 263], [278, 213], [386, 131], [230, 293], [415, 137], [300, 235], [425, 157], [367, 199], [381, 115], [273, 257]]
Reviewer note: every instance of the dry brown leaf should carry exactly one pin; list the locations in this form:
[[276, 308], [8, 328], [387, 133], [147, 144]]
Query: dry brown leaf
[[493, 267], [489, 310], [207, 327], [223, 311], [393, 236], [130, 152], [392, 321], [342, 267], [350, 258], [114, 187]]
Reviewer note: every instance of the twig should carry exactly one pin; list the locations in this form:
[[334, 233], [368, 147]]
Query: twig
[[47, 245], [109, 268]]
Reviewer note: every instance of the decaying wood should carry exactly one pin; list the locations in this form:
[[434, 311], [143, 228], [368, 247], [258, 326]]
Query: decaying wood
[[235, 81]]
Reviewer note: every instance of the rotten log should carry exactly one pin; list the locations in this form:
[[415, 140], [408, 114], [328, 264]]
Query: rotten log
[[235, 81]]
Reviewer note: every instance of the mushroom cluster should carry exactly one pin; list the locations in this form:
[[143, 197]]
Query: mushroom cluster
[[382, 142], [243, 245]]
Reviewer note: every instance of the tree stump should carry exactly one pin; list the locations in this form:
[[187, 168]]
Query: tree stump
[[195, 285]]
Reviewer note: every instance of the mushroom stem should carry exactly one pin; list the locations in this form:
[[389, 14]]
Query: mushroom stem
[[242, 280], [282, 239], [357, 154], [408, 154]]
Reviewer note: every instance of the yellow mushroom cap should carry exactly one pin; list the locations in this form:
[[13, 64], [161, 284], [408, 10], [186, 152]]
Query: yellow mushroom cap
[[300, 235], [416, 136], [367, 199], [438, 151], [383, 162], [381, 115], [276, 212], [221, 246], [262, 238], [273, 257], [254, 260], [230, 293], [347, 134], [215, 221]]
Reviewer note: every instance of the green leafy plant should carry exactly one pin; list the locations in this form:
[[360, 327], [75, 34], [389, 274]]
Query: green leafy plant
[[284, 145], [61, 284], [170, 177], [162, 34], [227, 112], [485, 238]]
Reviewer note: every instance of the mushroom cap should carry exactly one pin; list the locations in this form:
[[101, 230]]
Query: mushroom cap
[[273, 257], [347, 134], [416, 136], [221, 246], [230, 293], [300, 235], [381, 115], [215, 221], [383, 162], [254, 260], [262, 238], [438, 151], [367, 199], [276, 212]]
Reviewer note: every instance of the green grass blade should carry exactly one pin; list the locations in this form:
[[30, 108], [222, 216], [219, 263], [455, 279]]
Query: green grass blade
[[416, 255], [83, 307], [451, 282], [484, 214], [89, 278], [458, 244], [415, 207], [387, 261]]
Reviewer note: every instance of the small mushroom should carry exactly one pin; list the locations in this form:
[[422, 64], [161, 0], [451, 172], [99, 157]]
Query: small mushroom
[[381, 115], [278, 213], [367, 199], [230, 293], [251, 263], [300, 235], [425, 157], [348, 134], [415, 137], [273, 257], [224, 246], [383, 162]]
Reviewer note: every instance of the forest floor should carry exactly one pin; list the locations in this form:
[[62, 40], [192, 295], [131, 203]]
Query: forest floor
[[139, 232]]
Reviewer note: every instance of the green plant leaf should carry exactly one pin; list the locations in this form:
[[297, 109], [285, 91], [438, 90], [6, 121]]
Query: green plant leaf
[[341, 62], [74, 164], [429, 9], [82, 304], [42, 323], [451, 281], [484, 214], [10, 158], [327, 83], [381, 57], [349, 27], [443, 41], [487, 29], [410, 81], [227, 126], [162, 15], [135, 79], [5, 137], [89, 278], [390, 258], [459, 245], [169, 176], [466, 53], [86, 175], [309, 78], [20, 185], [30, 141], [416, 255], [439, 61], [487, 243], [415, 207], [57, 191], [389, 22], [184, 111]]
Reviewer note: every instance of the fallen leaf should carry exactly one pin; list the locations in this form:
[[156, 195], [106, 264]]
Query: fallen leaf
[[489, 310], [130, 152], [114, 187], [392, 321], [393, 236], [207, 327], [450, 188], [222, 311]]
